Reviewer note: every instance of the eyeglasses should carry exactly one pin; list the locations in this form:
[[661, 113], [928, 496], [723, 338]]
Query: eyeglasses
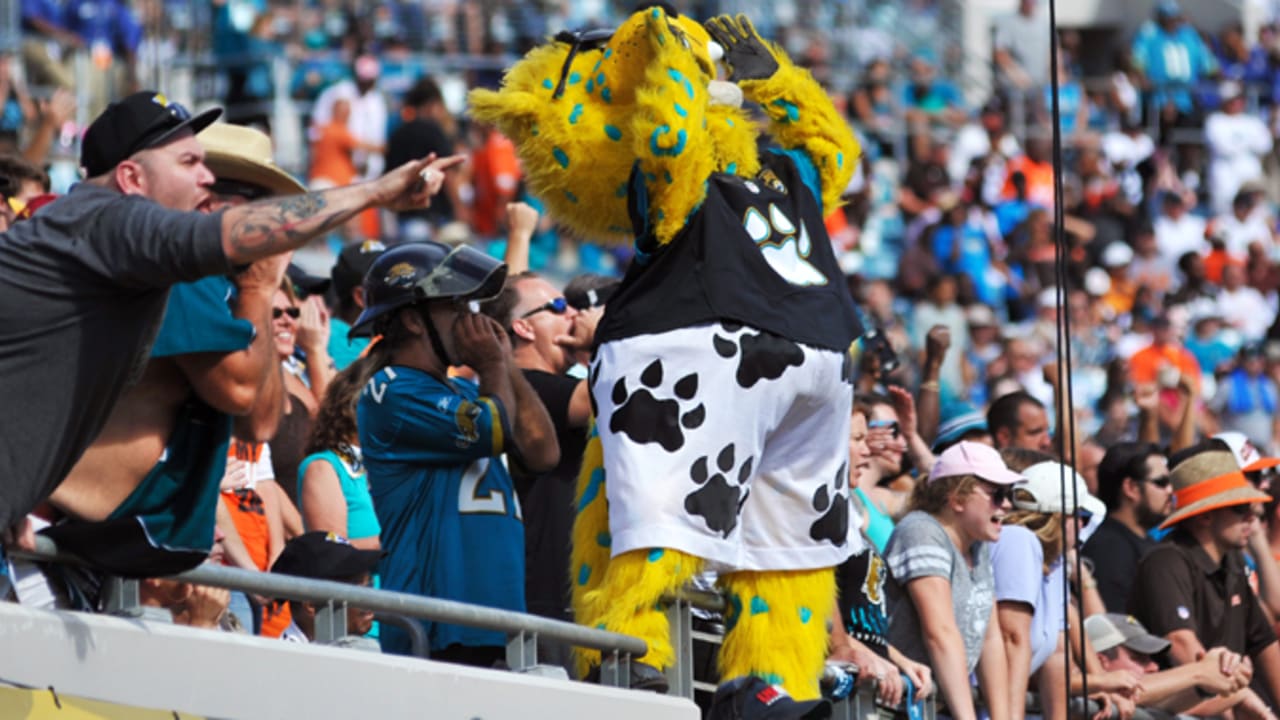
[[999, 494], [559, 306], [293, 312], [245, 190], [174, 115], [1161, 482], [578, 41]]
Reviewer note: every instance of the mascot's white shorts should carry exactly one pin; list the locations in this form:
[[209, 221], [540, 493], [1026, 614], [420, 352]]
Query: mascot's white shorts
[[726, 443]]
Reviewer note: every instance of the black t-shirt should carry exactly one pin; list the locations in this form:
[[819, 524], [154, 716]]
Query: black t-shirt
[[83, 287], [860, 582], [729, 263], [1115, 552], [415, 140], [547, 502]]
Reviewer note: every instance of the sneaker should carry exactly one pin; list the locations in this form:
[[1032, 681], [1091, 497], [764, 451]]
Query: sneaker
[[643, 677], [751, 698]]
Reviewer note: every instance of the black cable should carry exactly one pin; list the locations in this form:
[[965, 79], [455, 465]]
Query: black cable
[[1066, 435]]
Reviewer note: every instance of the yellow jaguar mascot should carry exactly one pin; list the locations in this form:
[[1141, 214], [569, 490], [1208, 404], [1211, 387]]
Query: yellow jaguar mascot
[[720, 379]]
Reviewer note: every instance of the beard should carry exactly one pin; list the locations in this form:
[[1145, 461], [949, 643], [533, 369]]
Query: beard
[[1147, 517]]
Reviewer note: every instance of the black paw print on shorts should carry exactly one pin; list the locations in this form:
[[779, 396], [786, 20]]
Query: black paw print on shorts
[[761, 355], [834, 523], [719, 501], [644, 417]]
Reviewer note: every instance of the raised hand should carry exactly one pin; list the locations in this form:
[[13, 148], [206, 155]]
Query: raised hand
[[745, 52]]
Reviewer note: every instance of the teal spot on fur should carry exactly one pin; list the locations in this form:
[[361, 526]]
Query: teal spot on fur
[[731, 168], [661, 215], [793, 112], [601, 79], [620, 230], [533, 130], [574, 78], [606, 94], [546, 83], [561, 157], [840, 160], [584, 574], [656, 13], [730, 121], [600, 626], [733, 613], [596, 67], [666, 175], [621, 191], [650, 177], [772, 678], [591, 85], [805, 615], [604, 539], [656, 554], [613, 132], [679, 77], [759, 606], [682, 138], [577, 113], [592, 490], [608, 52], [681, 111], [572, 198]]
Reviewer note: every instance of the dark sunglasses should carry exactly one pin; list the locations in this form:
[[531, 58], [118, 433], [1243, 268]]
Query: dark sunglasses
[[174, 115], [578, 41], [293, 312], [999, 494], [236, 188], [891, 425], [559, 306], [1245, 511], [1161, 482]]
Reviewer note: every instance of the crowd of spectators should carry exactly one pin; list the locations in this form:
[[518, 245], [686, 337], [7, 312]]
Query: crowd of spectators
[[378, 463]]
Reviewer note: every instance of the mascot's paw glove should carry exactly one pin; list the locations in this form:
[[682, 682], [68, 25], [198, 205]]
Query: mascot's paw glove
[[745, 52]]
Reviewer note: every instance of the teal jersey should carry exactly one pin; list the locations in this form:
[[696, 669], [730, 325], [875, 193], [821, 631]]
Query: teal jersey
[[451, 523]]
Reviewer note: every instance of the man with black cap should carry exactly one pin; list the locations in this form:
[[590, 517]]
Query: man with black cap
[[326, 556], [1192, 588], [348, 278], [83, 285]]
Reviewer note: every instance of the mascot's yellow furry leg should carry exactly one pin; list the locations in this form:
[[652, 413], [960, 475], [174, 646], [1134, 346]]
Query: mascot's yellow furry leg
[[620, 594], [776, 627]]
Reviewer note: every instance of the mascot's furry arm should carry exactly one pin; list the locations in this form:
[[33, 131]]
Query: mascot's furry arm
[[801, 116]]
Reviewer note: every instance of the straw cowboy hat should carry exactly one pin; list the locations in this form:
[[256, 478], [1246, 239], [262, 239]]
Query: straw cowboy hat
[[242, 154], [1207, 481]]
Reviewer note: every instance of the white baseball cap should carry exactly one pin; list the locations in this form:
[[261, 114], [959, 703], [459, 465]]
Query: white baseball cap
[[1042, 491]]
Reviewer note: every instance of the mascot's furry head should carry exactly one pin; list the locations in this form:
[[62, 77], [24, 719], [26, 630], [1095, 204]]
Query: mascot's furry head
[[584, 109]]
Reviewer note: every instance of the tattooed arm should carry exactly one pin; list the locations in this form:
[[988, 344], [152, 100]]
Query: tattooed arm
[[275, 225]]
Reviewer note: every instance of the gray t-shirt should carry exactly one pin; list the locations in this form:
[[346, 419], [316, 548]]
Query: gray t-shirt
[[920, 548], [83, 287]]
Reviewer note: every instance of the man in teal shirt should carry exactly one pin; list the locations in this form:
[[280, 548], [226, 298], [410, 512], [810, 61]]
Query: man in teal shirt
[[348, 275]]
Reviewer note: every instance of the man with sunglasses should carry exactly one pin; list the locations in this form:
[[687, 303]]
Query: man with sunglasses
[[84, 286], [1192, 589], [213, 360], [545, 332], [1133, 482]]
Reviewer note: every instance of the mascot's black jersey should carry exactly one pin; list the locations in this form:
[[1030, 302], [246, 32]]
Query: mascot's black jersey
[[756, 252]]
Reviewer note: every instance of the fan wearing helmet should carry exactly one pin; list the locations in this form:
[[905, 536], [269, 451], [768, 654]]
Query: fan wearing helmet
[[452, 526]]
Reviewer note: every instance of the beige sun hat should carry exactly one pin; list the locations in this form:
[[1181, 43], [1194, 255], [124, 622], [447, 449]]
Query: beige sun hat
[[242, 154], [1207, 481]]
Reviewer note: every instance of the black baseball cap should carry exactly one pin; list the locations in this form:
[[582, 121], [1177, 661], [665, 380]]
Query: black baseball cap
[[142, 120], [304, 283], [324, 556], [353, 264]]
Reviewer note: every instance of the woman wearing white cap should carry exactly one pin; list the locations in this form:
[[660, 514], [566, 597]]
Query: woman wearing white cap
[[1029, 573], [941, 595]]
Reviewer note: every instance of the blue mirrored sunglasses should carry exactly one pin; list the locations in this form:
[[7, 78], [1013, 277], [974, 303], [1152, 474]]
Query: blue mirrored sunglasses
[[558, 306]]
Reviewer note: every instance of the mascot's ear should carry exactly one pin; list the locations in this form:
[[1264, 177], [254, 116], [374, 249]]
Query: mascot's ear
[[507, 109]]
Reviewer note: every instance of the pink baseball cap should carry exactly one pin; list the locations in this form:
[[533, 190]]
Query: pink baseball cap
[[973, 458]]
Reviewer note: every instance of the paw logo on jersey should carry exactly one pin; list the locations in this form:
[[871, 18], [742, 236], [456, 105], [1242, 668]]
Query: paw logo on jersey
[[784, 247], [400, 275], [466, 418]]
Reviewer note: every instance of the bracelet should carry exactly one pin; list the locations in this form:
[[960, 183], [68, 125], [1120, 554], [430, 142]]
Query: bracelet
[[931, 385]]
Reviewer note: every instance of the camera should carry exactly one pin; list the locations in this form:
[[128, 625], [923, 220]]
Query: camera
[[876, 343]]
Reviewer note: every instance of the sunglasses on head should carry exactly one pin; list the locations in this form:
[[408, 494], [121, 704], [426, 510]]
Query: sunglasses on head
[[578, 41], [559, 306], [891, 425], [174, 114], [293, 312]]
